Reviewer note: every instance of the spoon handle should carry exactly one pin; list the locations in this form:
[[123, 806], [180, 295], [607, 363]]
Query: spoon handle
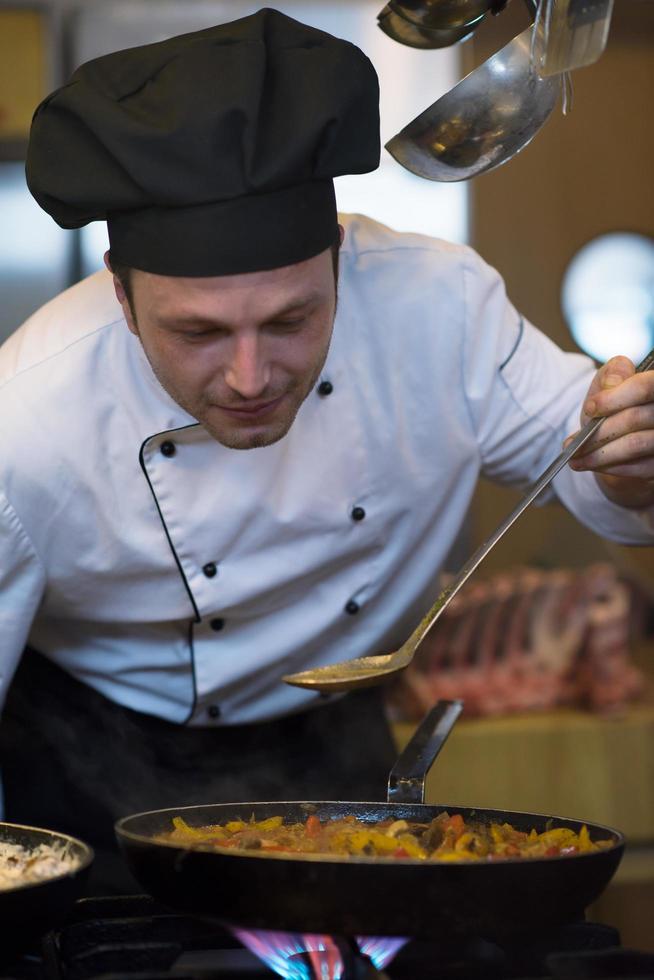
[[476, 559]]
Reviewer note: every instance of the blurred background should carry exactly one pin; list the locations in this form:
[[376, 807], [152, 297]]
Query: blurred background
[[568, 223]]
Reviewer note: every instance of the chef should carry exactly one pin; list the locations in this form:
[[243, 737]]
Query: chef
[[246, 447]]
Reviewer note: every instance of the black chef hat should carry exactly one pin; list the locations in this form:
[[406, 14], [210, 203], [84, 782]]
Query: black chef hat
[[211, 153]]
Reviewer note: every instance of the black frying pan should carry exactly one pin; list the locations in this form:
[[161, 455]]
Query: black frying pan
[[366, 895], [27, 911]]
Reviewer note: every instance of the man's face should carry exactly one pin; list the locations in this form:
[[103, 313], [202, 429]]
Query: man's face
[[239, 353]]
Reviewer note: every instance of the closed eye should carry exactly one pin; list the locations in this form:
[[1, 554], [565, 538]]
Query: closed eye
[[211, 332], [287, 326]]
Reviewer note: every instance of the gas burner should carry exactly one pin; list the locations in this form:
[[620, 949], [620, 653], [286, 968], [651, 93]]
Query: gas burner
[[132, 937], [305, 957]]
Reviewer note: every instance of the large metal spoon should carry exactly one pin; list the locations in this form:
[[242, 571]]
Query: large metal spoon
[[492, 114], [364, 671]]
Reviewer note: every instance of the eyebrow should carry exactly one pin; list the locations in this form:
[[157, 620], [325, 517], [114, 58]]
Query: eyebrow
[[173, 320]]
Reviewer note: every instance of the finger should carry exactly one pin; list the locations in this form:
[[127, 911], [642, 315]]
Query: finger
[[616, 392], [637, 419], [634, 448], [641, 470], [614, 372]]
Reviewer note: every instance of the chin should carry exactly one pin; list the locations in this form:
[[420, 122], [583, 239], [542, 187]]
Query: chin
[[256, 439]]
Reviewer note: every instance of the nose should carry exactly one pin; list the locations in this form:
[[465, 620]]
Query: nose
[[247, 372]]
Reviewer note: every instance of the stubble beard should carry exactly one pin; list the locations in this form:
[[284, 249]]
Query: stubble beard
[[231, 437]]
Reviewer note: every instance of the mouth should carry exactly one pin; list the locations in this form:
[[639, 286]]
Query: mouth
[[251, 412]]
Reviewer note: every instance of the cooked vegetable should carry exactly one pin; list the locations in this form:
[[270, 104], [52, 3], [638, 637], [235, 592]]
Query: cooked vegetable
[[23, 866], [446, 838]]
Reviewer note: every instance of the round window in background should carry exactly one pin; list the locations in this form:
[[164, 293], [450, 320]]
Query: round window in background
[[607, 296]]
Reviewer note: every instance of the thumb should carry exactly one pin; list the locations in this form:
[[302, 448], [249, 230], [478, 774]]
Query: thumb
[[615, 371], [610, 375]]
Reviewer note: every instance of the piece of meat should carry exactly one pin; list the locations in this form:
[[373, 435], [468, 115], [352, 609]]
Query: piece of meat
[[610, 679], [527, 640]]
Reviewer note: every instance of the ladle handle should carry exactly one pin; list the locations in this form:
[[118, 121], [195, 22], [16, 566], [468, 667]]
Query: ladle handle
[[406, 781], [541, 483]]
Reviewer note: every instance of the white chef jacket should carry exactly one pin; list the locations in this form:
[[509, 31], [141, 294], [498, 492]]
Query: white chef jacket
[[184, 585]]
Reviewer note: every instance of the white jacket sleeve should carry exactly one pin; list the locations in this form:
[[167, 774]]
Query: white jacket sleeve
[[22, 582], [524, 395]]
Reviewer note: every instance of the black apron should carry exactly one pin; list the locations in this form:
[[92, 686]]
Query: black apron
[[74, 761]]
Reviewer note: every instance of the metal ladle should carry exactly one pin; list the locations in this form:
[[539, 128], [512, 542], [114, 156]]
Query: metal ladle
[[415, 36], [364, 671], [444, 14], [492, 114], [434, 23]]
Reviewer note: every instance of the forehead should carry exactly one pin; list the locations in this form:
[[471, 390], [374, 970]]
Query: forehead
[[250, 294]]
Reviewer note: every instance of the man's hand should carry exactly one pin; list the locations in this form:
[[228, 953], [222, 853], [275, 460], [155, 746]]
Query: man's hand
[[621, 453]]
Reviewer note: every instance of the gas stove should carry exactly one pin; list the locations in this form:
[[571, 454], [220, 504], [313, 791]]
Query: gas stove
[[135, 938]]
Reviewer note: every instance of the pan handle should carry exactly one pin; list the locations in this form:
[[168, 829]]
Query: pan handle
[[406, 781]]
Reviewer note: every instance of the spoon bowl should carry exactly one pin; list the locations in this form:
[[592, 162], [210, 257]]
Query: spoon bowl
[[407, 32], [441, 14], [492, 114], [348, 674]]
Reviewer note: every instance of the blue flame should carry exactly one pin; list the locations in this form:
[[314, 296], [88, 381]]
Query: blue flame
[[283, 952], [381, 949]]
